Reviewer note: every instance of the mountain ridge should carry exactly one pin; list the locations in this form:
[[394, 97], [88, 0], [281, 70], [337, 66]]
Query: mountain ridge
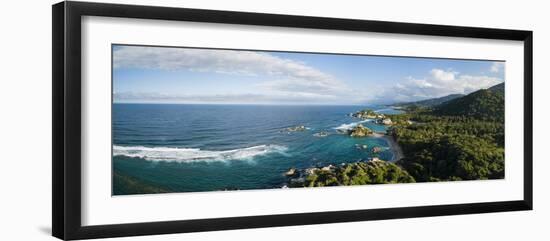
[[432, 101], [487, 104]]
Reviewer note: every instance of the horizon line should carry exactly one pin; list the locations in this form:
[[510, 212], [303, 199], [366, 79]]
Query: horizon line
[[255, 104]]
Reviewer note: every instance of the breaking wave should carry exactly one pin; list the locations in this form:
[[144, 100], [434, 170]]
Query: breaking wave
[[345, 127], [174, 154]]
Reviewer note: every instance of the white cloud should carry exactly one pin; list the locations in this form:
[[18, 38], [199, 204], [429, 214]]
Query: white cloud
[[439, 83], [497, 67], [296, 76]]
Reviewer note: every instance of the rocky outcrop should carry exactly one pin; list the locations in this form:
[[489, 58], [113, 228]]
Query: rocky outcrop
[[295, 128], [361, 147], [360, 131], [291, 172], [321, 134], [372, 171], [367, 114]]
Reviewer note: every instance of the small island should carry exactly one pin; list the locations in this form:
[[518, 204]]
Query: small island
[[360, 131], [367, 114], [321, 134], [294, 128]]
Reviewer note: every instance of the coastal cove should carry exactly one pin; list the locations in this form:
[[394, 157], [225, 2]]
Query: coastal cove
[[192, 148]]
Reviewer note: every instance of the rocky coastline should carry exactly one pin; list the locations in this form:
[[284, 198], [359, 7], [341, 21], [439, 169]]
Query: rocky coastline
[[370, 171]]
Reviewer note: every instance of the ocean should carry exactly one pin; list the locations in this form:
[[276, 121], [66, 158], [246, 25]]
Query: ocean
[[194, 148]]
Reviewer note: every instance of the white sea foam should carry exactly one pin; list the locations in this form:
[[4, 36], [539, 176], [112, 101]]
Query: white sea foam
[[345, 127], [174, 154]]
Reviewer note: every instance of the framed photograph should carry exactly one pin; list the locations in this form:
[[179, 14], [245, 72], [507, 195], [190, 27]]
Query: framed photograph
[[169, 120]]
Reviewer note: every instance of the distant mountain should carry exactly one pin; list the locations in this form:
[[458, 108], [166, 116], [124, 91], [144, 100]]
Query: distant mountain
[[431, 102], [483, 104]]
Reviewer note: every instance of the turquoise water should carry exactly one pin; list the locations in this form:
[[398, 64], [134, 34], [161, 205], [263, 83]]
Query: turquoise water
[[192, 148]]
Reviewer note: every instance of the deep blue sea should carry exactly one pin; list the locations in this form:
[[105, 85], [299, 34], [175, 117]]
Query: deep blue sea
[[191, 148]]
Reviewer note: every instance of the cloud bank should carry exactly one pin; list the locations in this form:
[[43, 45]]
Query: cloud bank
[[439, 83], [291, 75]]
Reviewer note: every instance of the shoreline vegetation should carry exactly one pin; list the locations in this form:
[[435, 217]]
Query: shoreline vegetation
[[457, 137]]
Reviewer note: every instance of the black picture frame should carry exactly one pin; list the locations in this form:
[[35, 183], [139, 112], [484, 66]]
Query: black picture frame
[[66, 128]]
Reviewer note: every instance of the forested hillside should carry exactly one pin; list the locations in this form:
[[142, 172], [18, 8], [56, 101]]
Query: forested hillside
[[486, 104], [462, 139]]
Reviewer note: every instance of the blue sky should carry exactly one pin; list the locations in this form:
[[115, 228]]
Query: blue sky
[[208, 76]]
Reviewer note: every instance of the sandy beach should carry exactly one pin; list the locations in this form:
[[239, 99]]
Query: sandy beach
[[395, 148]]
